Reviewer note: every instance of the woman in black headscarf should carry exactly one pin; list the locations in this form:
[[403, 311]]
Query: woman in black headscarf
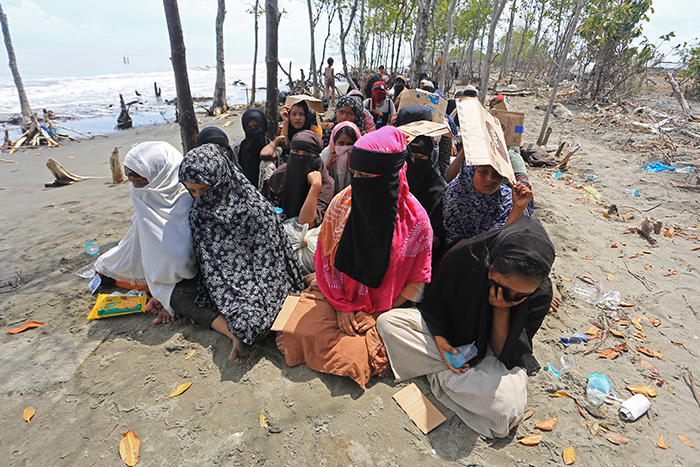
[[246, 263], [491, 290], [347, 109], [247, 152], [212, 134], [425, 182]]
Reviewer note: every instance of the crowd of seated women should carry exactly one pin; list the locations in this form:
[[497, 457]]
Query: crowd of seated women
[[409, 265]]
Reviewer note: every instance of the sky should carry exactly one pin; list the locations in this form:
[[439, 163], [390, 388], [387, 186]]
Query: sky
[[87, 37]]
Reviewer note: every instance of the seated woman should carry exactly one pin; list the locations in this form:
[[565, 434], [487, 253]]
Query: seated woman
[[379, 105], [369, 119], [248, 153], [302, 186], [246, 264], [359, 275], [493, 291], [348, 109], [477, 201], [157, 249], [295, 118], [337, 155], [215, 135]]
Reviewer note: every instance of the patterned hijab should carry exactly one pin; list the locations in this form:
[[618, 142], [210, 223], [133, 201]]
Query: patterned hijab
[[356, 104], [247, 267], [467, 213]]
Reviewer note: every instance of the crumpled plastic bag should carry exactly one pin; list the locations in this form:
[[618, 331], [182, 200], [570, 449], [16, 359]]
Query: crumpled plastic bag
[[609, 301], [304, 241]]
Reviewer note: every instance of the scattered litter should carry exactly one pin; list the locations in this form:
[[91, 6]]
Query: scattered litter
[[585, 288], [609, 301], [87, 272], [24, 327], [598, 389], [423, 413], [559, 366], [92, 248], [572, 338], [119, 304], [634, 193], [635, 407]]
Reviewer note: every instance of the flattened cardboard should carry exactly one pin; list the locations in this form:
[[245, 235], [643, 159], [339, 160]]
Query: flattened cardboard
[[424, 128], [290, 303], [511, 124], [435, 103], [504, 105], [312, 102], [423, 413], [482, 136]]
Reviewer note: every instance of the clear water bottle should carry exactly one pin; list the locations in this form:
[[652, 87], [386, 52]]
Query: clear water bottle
[[598, 389], [683, 170], [463, 355], [631, 192], [558, 367]]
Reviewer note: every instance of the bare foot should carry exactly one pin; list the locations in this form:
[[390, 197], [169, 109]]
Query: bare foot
[[556, 299], [239, 352], [162, 315]]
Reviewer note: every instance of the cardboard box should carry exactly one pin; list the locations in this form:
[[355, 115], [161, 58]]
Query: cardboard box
[[312, 102], [435, 103], [424, 128], [511, 124], [505, 105], [483, 139]]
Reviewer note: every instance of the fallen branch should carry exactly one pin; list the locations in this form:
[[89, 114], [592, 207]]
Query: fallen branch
[[79, 133], [9, 161], [688, 187], [679, 95], [691, 383], [566, 159], [690, 306], [62, 176], [689, 133], [638, 277]]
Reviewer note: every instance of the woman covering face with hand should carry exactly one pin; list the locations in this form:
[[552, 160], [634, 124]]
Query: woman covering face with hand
[[337, 155]]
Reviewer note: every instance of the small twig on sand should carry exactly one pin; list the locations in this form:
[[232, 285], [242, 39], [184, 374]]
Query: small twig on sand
[[690, 306], [9, 161], [630, 207], [651, 209], [81, 134], [638, 277], [692, 212], [691, 383]]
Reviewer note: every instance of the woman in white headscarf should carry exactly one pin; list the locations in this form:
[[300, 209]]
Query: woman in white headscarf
[[157, 250]]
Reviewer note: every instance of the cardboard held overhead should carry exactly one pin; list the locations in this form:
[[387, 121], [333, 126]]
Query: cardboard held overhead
[[312, 102], [424, 128], [423, 413], [511, 124], [435, 103], [290, 303], [503, 105], [482, 137]]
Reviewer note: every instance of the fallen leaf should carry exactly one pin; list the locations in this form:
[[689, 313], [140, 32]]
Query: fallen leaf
[[615, 245], [695, 249], [588, 257], [617, 333], [24, 327], [129, 448], [671, 390], [526, 415], [646, 352], [262, 420], [657, 353], [605, 214], [671, 272], [644, 389], [559, 394], [580, 409], [623, 321], [609, 354], [547, 425], [28, 414], [594, 428], [662, 443], [636, 324], [530, 440], [190, 354], [569, 455], [593, 332], [615, 438], [648, 366], [678, 343], [587, 280], [639, 337], [620, 347], [180, 389], [656, 322], [647, 266], [687, 441], [611, 277], [591, 211], [625, 304]]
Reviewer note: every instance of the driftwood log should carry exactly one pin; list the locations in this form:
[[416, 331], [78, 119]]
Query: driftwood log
[[124, 120], [565, 161], [62, 176], [681, 99], [116, 166]]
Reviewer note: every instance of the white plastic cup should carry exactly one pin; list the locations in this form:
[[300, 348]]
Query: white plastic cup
[[635, 407]]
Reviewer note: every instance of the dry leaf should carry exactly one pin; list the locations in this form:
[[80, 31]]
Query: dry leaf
[[662, 443], [190, 354], [588, 257], [644, 389], [180, 389], [569, 455], [657, 353], [615, 438], [648, 366], [609, 354], [547, 425], [530, 440], [611, 277], [129, 448], [687, 441], [526, 415], [24, 327], [28, 414], [624, 322], [636, 324], [616, 333], [671, 272], [559, 394], [593, 332], [580, 409], [679, 343], [620, 347], [262, 420], [639, 337], [615, 245], [646, 352], [605, 214], [647, 266], [656, 322], [671, 389], [627, 304]]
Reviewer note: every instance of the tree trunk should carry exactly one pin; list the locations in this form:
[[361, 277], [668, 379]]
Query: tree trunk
[[363, 55], [506, 49], [497, 10], [185, 108], [219, 104], [25, 109], [420, 40], [446, 45], [343, 35], [255, 53], [272, 17], [533, 51], [331, 14], [523, 37], [398, 46], [313, 48], [470, 53], [562, 62]]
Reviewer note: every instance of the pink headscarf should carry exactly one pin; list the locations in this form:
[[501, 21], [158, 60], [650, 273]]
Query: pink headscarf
[[338, 127]]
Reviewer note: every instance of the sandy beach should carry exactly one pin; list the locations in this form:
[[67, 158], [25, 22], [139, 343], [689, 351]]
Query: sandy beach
[[91, 381]]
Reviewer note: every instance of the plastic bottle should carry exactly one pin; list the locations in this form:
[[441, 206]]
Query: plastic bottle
[[558, 367], [463, 355], [558, 175], [591, 177], [683, 170], [598, 389], [631, 192], [92, 248]]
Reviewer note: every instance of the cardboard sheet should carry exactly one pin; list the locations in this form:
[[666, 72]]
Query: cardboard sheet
[[482, 136], [423, 413], [435, 103], [290, 303], [505, 105], [511, 124], [424, 128], [312, 102]]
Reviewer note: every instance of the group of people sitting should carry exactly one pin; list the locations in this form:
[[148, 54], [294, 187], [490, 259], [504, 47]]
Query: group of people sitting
[[408, 267]]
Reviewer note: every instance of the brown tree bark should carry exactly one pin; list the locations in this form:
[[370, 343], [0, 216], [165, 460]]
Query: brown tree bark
[[272, 17], [343, 35], [446, 45], [25, 109], [255, 53], [185, 107], [219, 104], [498, 6], [313, 48], [419, 40]]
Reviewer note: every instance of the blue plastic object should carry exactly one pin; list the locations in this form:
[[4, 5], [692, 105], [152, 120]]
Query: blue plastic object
[[463, 355], [572, 338], [658, 167], [598, 388], [92, 248], [558, 175]]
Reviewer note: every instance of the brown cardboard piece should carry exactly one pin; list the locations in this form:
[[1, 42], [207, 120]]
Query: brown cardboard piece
[[435, 103], [503, 105], [312, 102], [290, 303], [424, 128], [423, 413], [511, 124], [482, 136]]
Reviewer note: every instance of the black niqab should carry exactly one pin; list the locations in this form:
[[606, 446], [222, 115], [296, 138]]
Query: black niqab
[[254, 142]]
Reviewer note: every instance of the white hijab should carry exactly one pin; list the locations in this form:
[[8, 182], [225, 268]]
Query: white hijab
[[157, 249]]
